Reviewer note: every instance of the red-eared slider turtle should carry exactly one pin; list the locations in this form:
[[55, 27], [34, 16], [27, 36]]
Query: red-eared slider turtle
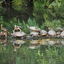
[[34, 31], [62, 34], [51, 33], [3, 32], [17, 29], [17, 32], [58, 31], [33, 28], [43, 33]]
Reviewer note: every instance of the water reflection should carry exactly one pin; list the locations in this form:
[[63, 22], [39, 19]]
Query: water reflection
[[32, 44], [17, 44], [4, 41]]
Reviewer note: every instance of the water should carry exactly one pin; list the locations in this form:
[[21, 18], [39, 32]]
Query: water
[[31, 43], [30, 51], [41, 51]]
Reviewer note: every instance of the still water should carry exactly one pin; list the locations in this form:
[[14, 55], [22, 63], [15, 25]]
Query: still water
[[30, 51], [31, 44]]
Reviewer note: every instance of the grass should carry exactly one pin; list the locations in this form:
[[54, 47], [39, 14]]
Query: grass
[[31, 22]]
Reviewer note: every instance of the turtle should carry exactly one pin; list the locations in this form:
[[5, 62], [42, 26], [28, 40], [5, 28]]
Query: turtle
[[33, 28], [43, 33], [51, 33], [4, 32], [17, 32], [34, 33], [62, 34]]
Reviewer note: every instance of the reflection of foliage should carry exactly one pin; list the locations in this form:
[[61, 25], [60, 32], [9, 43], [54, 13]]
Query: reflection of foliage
[[24, 55]]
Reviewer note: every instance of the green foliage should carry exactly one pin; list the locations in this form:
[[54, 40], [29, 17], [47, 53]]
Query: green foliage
[[19, 4], [32, 22], [53, 24]]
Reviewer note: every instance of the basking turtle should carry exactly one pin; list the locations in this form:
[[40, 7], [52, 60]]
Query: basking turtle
[[51, 33], [17, 29], [34, 31], [62, 34], [58, 31], [33, 28], [3, 32], [43, 33], [17, 32]]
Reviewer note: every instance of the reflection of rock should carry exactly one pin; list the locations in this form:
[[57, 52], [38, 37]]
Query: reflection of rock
[[33, 47], [17, 44], [35, 42], [43, 42], [51, 42], [62, 42]]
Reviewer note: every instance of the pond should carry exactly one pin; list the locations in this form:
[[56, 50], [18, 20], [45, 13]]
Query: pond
[[43, 14], [31, 51]]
